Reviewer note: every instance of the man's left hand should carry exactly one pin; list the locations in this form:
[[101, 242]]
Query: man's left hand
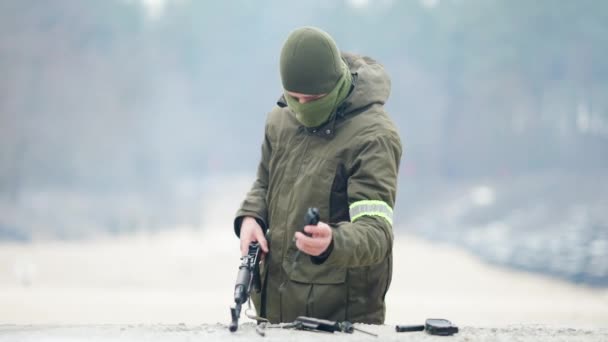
[[319, 240]]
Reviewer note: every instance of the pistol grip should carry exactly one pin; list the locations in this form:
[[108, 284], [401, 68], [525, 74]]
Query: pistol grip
[[311, 218]]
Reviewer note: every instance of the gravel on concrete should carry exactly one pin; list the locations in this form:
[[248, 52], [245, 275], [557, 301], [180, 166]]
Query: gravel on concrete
[[247, 332]]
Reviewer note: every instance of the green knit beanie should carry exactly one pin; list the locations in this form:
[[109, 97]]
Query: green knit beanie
[[310, 62]]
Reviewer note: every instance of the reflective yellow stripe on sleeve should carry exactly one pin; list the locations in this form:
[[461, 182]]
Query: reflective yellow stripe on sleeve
[[371, 208]]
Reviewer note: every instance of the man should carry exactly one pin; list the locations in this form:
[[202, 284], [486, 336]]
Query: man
[[330, 145]]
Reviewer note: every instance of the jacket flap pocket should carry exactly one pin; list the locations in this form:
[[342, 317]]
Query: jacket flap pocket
[[304, 271]]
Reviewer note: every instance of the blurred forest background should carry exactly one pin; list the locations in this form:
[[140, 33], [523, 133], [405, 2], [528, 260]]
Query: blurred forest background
[[116, 115]]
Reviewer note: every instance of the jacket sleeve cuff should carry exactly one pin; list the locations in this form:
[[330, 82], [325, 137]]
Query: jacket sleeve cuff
[[319, 259], [239, 220]]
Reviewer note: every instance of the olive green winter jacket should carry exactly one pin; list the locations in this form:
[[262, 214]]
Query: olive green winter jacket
[[348, 169]]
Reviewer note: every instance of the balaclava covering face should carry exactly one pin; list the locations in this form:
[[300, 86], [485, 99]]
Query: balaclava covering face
[[311, 65]]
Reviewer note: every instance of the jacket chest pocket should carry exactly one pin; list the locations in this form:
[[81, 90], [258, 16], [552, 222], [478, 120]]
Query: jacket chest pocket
[[313, 186]]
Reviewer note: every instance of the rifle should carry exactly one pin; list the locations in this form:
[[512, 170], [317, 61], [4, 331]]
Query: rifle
[[316, 324], [248, 278]]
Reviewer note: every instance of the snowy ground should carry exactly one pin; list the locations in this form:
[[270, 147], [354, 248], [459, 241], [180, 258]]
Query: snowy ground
[[148, 285], [177, 285]]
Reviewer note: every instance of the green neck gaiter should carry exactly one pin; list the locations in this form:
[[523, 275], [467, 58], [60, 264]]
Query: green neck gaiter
[[317, 112]]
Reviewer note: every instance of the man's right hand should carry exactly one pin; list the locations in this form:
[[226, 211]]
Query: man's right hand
[[250, 232]]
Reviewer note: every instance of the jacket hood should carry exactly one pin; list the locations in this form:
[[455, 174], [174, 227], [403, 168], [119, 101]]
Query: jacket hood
[[372, 85]]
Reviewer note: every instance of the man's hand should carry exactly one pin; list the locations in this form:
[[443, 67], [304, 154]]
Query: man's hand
[[316, 244], [250, 232]]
